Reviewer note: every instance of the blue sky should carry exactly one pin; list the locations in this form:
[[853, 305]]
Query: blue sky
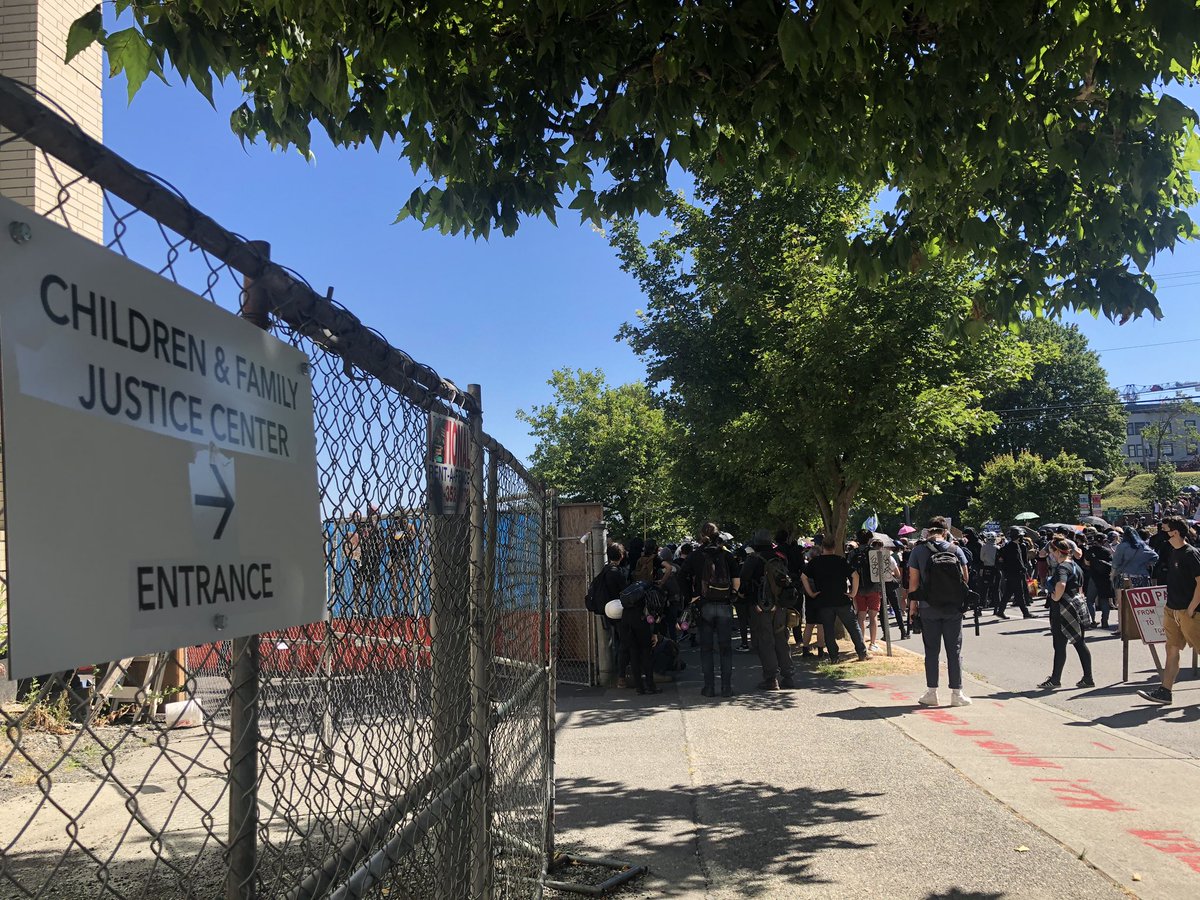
[[504, 312]]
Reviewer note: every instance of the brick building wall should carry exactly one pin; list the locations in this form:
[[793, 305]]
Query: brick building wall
[[33, 41]]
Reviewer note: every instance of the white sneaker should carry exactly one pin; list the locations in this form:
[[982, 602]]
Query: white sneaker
[[874, 648], [958, 698], [929, 698]]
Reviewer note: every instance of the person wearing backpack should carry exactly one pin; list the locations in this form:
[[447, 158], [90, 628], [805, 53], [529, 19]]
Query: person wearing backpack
[[767, 586], [710, 571], [1068, 615], [937, 576], [989, 573], [606, 586]]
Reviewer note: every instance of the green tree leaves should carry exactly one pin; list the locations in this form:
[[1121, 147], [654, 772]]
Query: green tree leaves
[[1038, 140], [801, 386], [1065, 405], [1010, 484], [611, 445], [83, 32]]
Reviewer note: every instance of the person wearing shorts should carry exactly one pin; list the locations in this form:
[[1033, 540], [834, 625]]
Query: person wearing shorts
[[1181, 621], [867, 604]]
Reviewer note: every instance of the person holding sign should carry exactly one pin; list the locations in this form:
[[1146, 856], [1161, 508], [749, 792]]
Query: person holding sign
[[1183, 600]]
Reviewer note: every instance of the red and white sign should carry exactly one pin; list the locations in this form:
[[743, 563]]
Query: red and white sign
[[1148, 604], [449, 465]]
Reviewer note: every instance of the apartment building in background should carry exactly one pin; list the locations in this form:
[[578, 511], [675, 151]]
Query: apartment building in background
[[1178, 445], [33, 43]]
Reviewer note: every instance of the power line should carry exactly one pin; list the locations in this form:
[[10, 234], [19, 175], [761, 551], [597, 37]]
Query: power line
[[1144, 346], [1125, 404]]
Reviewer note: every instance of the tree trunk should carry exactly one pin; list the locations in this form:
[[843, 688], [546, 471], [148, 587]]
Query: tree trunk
[[835, 510]]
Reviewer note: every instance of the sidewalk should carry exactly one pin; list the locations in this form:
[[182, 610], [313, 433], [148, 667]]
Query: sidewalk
[[840, 789]]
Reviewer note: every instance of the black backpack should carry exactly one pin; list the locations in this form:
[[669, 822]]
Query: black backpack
[[635, 595], [860, 561], [715, 583], [944, 586], [597, 595], [776, 587]]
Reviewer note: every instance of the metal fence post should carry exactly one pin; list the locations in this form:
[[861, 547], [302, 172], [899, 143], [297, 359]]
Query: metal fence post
[[241, 874], [548, 633], [481, 572]]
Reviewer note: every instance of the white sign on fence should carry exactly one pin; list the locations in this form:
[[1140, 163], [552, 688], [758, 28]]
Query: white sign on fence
[[1147, 604], [160, 461]]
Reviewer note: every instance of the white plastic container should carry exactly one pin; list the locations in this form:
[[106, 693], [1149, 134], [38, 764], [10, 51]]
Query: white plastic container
[[183, 714]]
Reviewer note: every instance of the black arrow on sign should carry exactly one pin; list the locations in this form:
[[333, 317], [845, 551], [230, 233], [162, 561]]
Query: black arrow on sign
[[224, 502]]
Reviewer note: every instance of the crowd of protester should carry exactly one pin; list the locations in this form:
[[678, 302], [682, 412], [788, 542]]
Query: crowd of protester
[[780, 595]]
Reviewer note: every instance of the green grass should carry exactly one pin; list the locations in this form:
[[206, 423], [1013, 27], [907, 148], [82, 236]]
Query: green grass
[[1128, 494]]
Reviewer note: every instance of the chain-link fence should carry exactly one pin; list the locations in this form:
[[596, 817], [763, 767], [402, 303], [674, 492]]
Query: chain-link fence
[[400, 748]]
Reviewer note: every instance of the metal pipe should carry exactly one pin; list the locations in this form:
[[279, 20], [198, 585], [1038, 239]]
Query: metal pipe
[[519, 695], [373, 870], [354, 851], [241, 876], [481, 856], [549, 630]]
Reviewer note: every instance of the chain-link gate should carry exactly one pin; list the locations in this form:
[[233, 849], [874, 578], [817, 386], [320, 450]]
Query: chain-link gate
[[581, 651], [402, 747]]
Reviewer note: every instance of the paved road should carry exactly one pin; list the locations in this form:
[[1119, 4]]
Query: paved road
[[1015, 655]]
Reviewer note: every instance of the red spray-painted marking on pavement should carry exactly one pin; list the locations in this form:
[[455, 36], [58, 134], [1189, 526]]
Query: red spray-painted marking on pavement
[[998, 703], [1104, 747], [1173, 843], [1016, 756], [972, 732], [898, 696], [942, 717], [1075, 795]]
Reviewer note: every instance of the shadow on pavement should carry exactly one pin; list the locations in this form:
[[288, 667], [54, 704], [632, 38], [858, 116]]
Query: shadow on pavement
[[867, 713], [751, 832], [956, 894], [1147, 712]]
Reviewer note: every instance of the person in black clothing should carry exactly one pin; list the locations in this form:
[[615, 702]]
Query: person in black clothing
[[827, 579], [769, 611], [795, 560], [1160, 543], [740, 605], [614, 580], [1013, 561], [1098, 563], [973, 545], [637, 640], [1181, 618], [710, 570]]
